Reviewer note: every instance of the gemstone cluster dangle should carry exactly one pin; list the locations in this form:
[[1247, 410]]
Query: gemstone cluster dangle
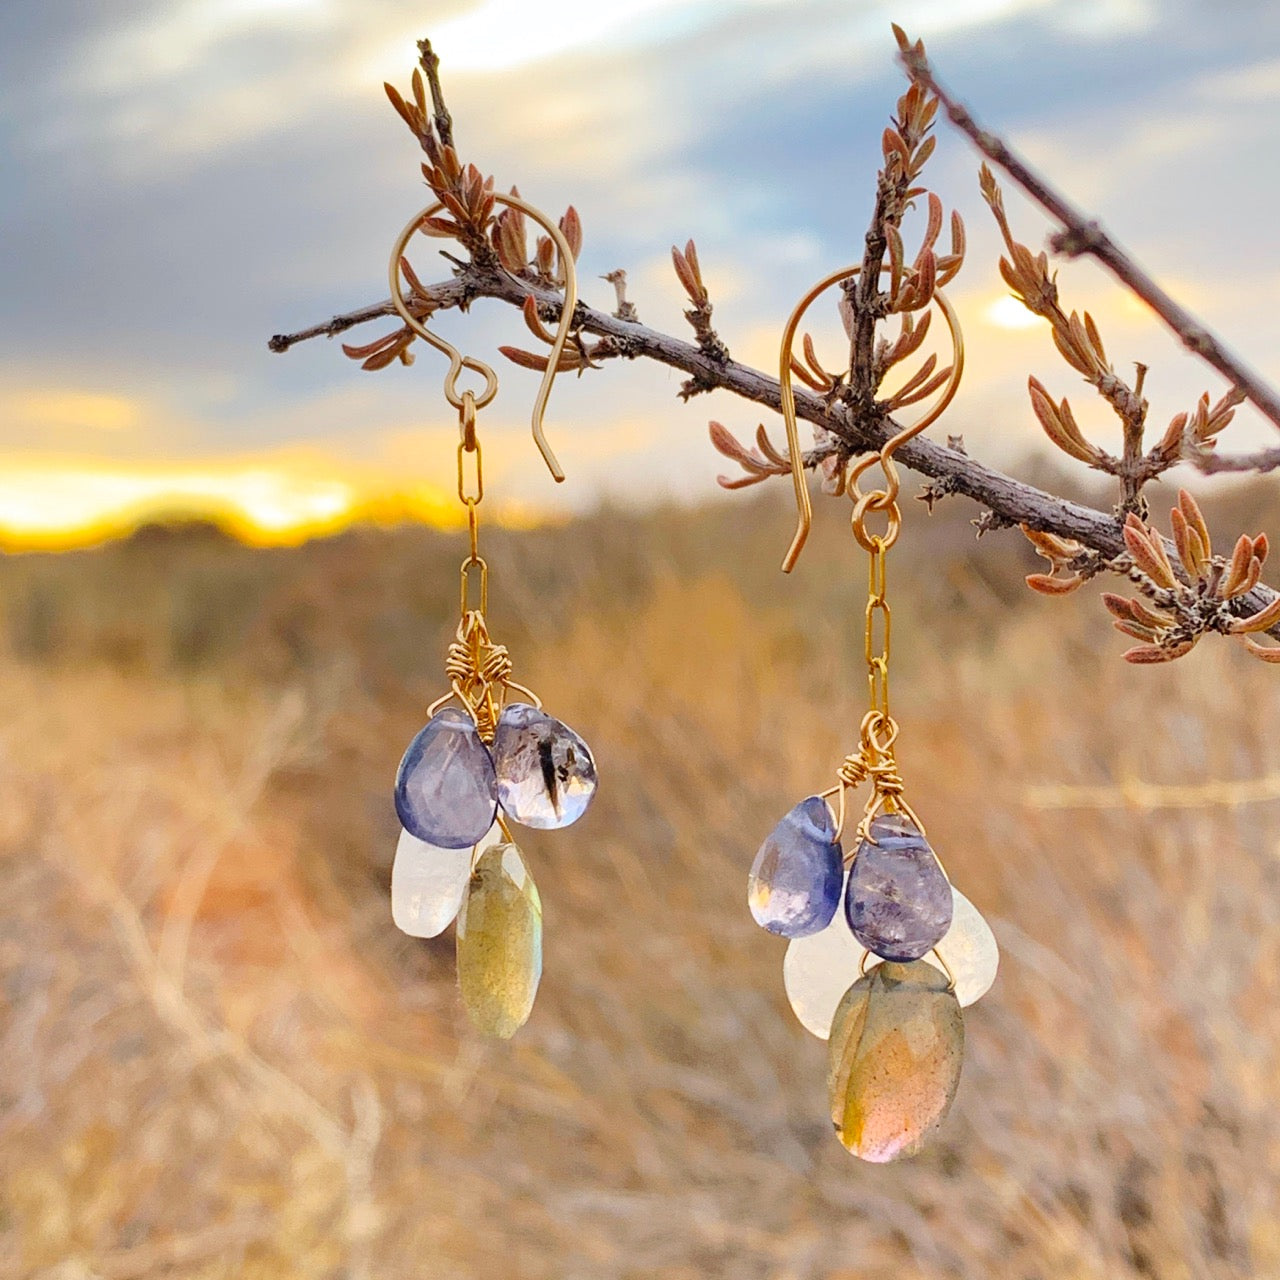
[[489, 756], [884, 951]]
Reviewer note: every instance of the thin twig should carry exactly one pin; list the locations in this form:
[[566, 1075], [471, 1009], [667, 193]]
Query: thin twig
[[866, 300], [1011, 501], [429, 61], [1211, 463], [1133, 793], [1083, 235]]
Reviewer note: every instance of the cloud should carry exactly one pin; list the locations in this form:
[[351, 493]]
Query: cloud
[[61, 410], [184, 178]]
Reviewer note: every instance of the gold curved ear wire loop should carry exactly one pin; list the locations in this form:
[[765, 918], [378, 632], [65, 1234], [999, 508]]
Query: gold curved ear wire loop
[[458, 362], [878, 500], [886, 499], [804, 510]]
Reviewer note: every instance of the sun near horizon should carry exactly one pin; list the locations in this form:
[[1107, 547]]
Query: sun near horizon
[[69, 505]]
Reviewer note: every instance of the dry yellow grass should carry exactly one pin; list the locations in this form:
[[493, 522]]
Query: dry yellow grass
[[220, 1059]]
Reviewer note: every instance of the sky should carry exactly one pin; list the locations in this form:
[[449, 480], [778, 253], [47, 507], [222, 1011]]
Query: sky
[[184, 178]]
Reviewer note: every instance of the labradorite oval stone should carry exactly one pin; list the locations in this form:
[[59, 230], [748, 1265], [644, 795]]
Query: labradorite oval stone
[[446, 792], [546, 776], [898, 899], [897, 1047], [794, 887], [499, 939]]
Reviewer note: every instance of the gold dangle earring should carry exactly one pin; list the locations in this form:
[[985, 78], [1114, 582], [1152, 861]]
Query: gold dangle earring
[[884, 951], [489, 756]]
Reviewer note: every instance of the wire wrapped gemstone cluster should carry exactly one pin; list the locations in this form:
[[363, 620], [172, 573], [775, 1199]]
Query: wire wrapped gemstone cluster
[[474, 769], [884, 952]]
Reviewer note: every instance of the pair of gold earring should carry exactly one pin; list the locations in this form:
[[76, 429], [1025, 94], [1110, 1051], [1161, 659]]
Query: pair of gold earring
[[883, 952]]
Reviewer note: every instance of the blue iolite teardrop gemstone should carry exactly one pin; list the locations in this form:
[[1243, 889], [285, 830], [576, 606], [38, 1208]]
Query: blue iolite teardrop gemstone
[[446, 790], [898, 901], [795, 881]]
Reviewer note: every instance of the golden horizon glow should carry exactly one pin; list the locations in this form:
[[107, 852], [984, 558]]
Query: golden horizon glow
[[67, 504]]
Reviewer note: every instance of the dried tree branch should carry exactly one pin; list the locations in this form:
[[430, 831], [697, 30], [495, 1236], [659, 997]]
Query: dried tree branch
[[429, 61], [1083, 235], [1011, 501], [1212, 463]]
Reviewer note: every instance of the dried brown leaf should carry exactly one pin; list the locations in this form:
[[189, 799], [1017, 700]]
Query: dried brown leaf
[[1053, 548], [1048, 585], [725, 442], [369, 348], [1136, 632], [571, 229], [545, 256], [441, 228], [1059, 424], [924, 391], [402, 107], [1263, 620], [809, 379], [1265, 652], [1238, 569], [1149, 653], [1190, 509], [1095, 339], [1171, 442], [771, 454], [1147, 552], [533, 321], [1120, 606]]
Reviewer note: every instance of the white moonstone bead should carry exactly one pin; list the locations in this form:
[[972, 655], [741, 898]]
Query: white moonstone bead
[[428, 883], [819, 969]]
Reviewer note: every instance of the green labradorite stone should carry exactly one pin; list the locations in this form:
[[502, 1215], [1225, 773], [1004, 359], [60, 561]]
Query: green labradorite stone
[[897, 1045], [500, 942]]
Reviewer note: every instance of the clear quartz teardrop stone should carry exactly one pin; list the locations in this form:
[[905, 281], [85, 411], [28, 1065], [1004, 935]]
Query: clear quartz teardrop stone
[[819, 969], [428, 883], [546, 776]]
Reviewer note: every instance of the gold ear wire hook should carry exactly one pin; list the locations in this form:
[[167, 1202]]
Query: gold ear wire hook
[[804, 509], [458, 362]]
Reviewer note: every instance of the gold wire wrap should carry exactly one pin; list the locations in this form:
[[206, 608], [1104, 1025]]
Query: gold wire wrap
[[479, 673], [874, 762], [458, 362]]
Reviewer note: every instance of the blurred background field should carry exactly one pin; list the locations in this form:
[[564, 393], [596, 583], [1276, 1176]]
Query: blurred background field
[[221, 1059]]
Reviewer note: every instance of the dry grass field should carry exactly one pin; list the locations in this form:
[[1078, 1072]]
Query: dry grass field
[[220, 1059]]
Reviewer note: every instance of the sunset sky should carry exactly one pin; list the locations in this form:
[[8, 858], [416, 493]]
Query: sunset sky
[[183, 178]]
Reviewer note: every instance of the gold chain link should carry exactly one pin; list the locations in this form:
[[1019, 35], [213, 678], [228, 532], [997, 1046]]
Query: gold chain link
[[877, 651], [471, 496]]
